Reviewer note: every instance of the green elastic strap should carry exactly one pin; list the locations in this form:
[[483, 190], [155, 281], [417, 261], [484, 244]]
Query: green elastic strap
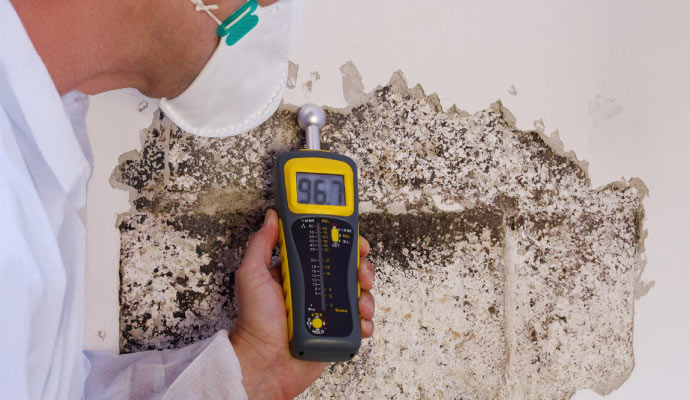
[[239, 23]]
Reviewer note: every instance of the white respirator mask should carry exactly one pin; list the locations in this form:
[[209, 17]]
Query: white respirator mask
[[242, 84]]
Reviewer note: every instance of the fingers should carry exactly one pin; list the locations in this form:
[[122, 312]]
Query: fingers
[[366, 305], [366, 311], [262, 243], [365, 275], [366, 272], [367, 328], [364, 247]]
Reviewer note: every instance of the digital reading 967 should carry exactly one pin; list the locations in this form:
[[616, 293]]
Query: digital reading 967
[[321, 189]]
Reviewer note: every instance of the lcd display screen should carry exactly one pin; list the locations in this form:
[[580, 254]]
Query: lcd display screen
[[321, 189]]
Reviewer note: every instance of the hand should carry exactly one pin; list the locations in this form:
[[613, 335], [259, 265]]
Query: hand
[[260, 338]]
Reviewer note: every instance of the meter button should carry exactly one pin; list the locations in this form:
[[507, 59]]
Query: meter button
[[317, 323], [335, 235]]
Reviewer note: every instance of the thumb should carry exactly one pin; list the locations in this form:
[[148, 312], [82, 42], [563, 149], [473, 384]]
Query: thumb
[[261, 244]]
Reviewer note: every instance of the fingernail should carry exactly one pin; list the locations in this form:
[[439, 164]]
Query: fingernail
[[269, 216]]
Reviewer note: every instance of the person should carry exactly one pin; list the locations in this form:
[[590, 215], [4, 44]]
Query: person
[[52, 55]]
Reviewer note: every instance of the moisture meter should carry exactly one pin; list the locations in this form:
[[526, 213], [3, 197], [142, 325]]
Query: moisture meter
[[316, 198]]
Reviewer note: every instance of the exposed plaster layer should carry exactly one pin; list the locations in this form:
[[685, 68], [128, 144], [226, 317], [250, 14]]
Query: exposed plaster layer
[[573, 283], [501, 272], [440, 311]]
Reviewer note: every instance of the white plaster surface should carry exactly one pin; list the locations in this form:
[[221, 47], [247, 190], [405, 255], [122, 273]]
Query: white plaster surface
[[612, 78]]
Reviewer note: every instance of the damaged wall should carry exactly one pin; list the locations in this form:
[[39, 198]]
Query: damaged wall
[[501, 273]]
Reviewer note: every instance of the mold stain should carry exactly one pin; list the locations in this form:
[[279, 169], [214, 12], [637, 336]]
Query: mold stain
[[501, 272], [602, 109]]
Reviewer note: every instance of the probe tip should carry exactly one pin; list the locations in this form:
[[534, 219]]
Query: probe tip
[[311, 115]]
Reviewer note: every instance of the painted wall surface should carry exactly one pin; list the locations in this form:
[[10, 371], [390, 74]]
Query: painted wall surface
[[611, 78]]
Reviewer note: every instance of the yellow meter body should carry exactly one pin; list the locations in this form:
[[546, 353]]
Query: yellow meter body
[[316, 198]]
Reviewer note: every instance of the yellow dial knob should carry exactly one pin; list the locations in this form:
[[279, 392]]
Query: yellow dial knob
[[335, 235], [317, 323]]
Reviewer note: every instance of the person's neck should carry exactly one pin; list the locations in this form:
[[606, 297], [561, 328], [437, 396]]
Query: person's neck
[[156, 46], [84, 44]]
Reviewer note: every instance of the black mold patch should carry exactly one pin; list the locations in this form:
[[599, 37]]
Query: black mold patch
[[494, 292], [427, 234]]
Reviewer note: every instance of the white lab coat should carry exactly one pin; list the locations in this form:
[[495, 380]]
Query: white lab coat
[[45, 163]]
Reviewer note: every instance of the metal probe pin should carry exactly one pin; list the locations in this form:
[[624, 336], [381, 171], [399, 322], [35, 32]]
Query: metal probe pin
[[311, 118]]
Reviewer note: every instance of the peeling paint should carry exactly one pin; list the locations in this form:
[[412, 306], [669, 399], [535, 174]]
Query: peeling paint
[[540, 126], [501, 273], [293, 70], [353, 88], [308, 85]]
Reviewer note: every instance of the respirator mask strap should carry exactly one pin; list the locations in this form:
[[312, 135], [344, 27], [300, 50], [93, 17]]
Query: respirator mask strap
[[237, 25]]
